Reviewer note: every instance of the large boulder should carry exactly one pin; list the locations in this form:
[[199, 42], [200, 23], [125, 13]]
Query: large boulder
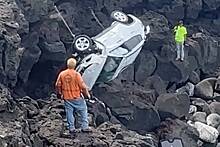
[[173, 105], [206, 133], [129, 108], [205, 88]]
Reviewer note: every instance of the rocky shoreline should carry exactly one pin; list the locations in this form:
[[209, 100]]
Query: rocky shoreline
[[157, 95]]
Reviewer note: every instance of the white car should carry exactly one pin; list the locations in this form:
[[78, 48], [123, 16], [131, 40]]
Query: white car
[[113, 49]]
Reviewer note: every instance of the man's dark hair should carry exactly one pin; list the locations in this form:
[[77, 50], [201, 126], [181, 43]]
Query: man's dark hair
[[180, 22]]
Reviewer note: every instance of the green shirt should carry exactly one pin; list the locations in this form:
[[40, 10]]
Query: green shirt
[[180, 32]]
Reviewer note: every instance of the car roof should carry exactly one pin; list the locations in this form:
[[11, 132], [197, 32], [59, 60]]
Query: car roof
[[116, 34]]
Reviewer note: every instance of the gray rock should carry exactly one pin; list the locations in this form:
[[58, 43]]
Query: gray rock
[[200, 117], [188, 89], [173, 105], [205, 88], [215, 107], [206, 133], [213, 120]]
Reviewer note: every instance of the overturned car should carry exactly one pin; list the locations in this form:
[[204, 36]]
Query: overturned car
[[117, 47], [107, 54]]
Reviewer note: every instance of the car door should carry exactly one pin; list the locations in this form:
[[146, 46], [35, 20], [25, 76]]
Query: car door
[[133, 47], [90, 68]]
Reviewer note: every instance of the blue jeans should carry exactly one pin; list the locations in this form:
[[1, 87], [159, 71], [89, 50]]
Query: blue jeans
[[76, 106], [180, 50]]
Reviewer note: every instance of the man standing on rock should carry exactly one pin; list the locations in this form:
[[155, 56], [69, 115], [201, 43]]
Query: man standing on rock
[[70, 86], [180, 37]]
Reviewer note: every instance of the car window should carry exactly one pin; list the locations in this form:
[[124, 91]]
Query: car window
[[131, 43], [109, 69]]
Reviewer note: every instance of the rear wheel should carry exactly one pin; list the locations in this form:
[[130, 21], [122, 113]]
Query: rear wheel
[[82, 43], [119, 16]]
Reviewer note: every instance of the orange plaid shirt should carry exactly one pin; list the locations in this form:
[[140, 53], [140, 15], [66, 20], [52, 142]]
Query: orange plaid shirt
[[70, 84]]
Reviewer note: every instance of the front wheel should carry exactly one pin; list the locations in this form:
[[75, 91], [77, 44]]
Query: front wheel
[[82, 43]]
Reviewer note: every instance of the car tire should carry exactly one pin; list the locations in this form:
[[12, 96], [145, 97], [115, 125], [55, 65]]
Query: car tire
[[119, 16], [82, 43]]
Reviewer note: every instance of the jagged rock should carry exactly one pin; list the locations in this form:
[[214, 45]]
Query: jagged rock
[[194, 50], [145, 65], [127, 75], [30, 56], [205, 88], [215, 107], [201, 105], [192, 109], [188, 89], [170, 129], [200, 117], [174, 11], [194, 77], [159, 30], [209, 51], [206, 133], [213, 120], [12, 134], [155, 83], [193, 7], [212, 4], [173, 105]]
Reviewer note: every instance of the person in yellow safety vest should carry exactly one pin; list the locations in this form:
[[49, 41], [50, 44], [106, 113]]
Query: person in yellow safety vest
[[180, 37]]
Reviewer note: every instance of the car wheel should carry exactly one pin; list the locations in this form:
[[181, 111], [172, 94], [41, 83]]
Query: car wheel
[[119, 16], [82, 42]]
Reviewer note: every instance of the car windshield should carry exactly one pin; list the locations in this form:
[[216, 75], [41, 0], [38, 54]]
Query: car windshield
[[109, 69]]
